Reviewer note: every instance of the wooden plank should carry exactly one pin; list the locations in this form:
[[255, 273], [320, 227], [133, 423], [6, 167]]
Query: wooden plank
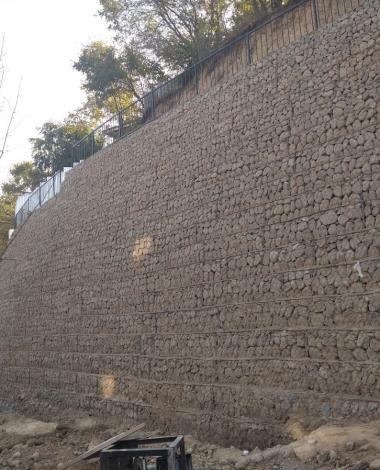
[[95, 451]]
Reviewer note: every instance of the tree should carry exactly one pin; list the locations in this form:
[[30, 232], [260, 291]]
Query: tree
[[155, 39], [53, 149], [24, 177], [7, 109], [175, 33], [115, 79], [249, 12], [7, 212]]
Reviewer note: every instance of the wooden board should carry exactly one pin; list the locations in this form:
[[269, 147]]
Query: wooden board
[[95, 451]]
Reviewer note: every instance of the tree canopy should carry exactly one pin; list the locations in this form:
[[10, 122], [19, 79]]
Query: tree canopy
[[24, 177], [154, 40], [249, 12], [7, 205], [115, 78], [52, 150], [175, 33]]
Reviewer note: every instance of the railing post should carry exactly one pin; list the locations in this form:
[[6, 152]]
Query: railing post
[[92, 143], [314, 8], [120, 122], [153, 106], [196, 80], [249, 52], [39, 196]]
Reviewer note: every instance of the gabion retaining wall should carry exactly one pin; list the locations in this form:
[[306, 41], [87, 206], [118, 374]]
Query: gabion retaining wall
[[220, 272]]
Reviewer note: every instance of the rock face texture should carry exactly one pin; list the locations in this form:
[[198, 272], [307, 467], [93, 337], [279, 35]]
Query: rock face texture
[[218, 270]]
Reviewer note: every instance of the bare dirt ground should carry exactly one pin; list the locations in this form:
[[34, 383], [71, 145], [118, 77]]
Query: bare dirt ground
[[29, 444]]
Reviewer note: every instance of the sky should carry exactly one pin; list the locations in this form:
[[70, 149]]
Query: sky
[[42, 40]]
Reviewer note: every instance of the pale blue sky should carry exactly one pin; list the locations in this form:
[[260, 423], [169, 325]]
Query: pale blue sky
[[43, 38]]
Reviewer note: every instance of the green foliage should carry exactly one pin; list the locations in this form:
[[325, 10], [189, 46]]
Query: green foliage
[[175, 33], [7, 211], [104, 76], [256, 7], [24, 177], [250, 12], [154, 39], [114, 79], [53, 149]]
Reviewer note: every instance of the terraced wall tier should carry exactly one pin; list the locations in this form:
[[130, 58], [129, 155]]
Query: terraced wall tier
[[218, 271]]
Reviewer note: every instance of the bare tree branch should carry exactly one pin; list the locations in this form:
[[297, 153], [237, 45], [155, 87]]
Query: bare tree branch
[[2, 67], [10, 122], [12, 107]]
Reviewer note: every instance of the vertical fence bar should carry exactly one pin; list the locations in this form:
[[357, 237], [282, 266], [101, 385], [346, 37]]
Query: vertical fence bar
[[331, 10], [324, 11], [265, 29], [120, 124], [249, 52], [337, 7], [282, 31], [314, 8], [92, 143], [196, 80], [153, 106], [271, 40], [307, 19], [129, 121], [287, 28], [294, 28], [87, 146]]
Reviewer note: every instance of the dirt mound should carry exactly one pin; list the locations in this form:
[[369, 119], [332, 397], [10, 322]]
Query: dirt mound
[[30, 444]]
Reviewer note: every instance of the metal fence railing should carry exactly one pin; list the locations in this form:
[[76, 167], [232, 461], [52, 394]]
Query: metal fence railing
[[119, 125], [278, 31], [40, 196], [283, 28]]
